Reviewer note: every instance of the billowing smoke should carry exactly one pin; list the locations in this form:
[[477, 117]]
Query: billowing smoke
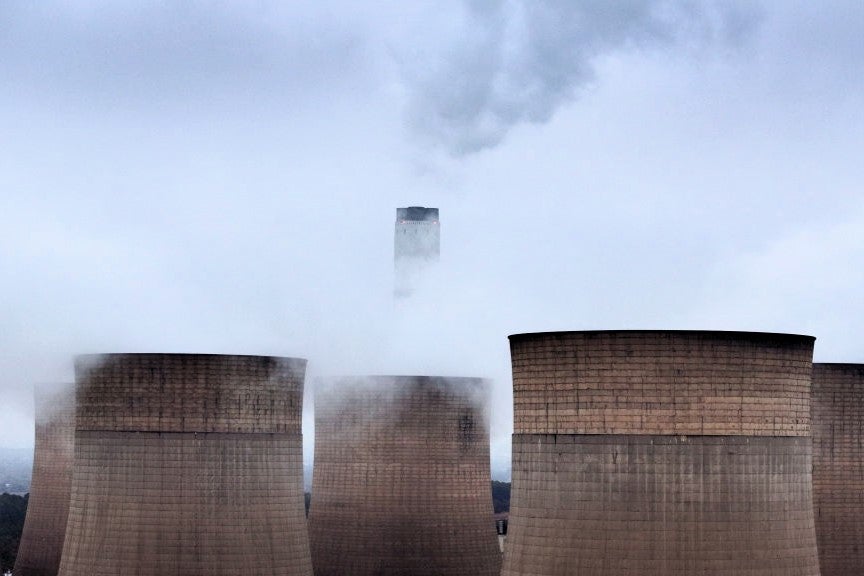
[[518, 61]]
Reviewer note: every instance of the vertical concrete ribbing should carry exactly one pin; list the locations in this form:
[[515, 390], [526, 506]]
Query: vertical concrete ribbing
[[838, 467], [48, 507]]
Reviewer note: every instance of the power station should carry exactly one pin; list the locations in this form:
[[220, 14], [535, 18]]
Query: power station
[[635, 452], [48, 507], [401, 481], [187, 464], [661, 453], [838, 467]]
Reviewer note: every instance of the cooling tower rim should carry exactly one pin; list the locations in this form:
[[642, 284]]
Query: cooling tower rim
[[395, 378], [87, 358], [387, 384], [728, 334]]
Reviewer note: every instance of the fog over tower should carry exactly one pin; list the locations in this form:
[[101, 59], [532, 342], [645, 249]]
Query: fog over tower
[[417, 245], [401, 478], [837, 403]]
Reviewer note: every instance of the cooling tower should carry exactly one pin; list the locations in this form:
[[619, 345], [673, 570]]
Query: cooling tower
[[838, 467], [401, 483], [661, 453], [187, 465], [48, 506]]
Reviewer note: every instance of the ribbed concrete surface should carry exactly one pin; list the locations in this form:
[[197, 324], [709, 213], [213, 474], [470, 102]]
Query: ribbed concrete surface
[[48, 507], [401, 482], [187, 465], [661, 453], [838, 467], [189, 393], [660, 505], [705, 383]]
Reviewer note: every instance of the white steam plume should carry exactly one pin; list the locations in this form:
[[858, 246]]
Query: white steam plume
[[518, 61]]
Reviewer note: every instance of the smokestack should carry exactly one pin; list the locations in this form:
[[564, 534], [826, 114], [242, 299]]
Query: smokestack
[[401, 481], [658, 453], [838, 467], [187, 464], [417, 245], [48, 505]]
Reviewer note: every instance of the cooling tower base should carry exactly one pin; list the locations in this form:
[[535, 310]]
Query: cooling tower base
[[661, 505], [186, 503]]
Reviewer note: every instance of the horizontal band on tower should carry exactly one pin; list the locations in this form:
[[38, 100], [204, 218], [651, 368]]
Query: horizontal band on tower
[[189, 393], [662, 382]]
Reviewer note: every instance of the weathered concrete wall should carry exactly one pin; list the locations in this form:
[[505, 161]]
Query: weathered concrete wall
[[189, 393], [48, 507], [660, 453], [838, 467], [701, 383], [186, 465], [401, 482]]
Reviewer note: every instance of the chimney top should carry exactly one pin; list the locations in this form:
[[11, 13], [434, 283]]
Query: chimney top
[[417, 214]]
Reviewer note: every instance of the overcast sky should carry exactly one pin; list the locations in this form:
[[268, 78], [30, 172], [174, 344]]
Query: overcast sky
[[223, 177]]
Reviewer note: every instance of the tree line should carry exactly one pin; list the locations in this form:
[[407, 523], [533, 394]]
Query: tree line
[[13, 509]]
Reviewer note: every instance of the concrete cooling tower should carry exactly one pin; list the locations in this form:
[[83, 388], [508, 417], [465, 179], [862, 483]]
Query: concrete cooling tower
[[838, 467], [661, 453], [48, 506], [187, 465], [401, 482]]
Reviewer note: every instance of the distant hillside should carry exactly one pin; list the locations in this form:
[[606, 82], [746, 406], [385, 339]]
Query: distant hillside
[[12, 511], [16, 467]]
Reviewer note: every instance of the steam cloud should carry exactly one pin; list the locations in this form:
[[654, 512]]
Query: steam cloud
[[518, 61]]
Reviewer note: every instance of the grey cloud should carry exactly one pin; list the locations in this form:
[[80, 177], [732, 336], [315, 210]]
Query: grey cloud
[[518, 61], [165, 52]]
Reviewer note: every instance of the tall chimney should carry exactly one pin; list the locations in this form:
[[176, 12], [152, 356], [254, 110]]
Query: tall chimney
[[417, 244]]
